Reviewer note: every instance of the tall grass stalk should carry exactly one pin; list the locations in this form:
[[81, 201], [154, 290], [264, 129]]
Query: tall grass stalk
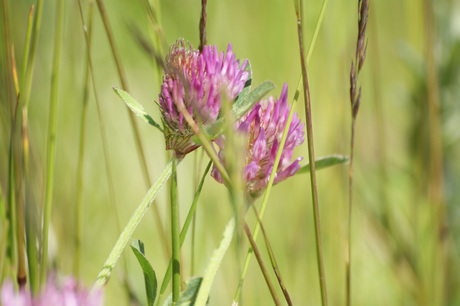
[[311, 153], [81, 149], [28, 70], [135, 129], [175, 235], [278, 154], [51, 145], [183, 233], [261, 264], [355, 99]]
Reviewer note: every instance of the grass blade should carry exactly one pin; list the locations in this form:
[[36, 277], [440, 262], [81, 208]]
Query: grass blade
[[324, 162], [214, 264], [51, 148]]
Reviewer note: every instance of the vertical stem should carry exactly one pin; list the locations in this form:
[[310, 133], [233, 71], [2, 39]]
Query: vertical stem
[[51, 151], [350, 210], [261, 265], [311, 157], [81, 151], [203, 25], [175, 235]]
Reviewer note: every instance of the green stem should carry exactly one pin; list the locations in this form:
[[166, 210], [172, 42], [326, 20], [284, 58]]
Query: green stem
[[128, 231], [175, 235], [81, 150], [27, 79], [27, 45], [184, 231], [52, 138], [311, 156]]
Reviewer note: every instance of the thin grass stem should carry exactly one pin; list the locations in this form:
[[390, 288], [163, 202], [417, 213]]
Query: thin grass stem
[[175, 235], [261, 264], [27, 78], [81, 149], [183, 233], [311, 156], [51, 146]]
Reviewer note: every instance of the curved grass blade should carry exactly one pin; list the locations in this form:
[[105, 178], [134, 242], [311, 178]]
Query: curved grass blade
[[149, 274], [136, 107], [324, 162], [214, 264]]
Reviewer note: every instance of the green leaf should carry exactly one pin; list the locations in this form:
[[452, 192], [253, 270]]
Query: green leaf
[[149, 274], [243, 105], [214, 264], [247, 86], [136, 107], [324, 162], [189, 295]]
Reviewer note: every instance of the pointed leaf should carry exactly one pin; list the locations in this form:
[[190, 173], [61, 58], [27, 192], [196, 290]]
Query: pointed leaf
[[247, 86], [324, 162], [189, 295], [243, 105], [149, 274], [136, 107]]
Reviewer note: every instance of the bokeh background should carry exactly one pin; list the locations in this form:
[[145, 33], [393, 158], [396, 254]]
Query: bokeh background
[[407, 154]]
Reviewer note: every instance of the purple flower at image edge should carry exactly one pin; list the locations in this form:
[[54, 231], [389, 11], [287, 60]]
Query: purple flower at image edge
[[70, 294], [263, 127], [195, 82]]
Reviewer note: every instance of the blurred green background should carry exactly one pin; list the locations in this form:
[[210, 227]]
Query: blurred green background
[[407, 155]]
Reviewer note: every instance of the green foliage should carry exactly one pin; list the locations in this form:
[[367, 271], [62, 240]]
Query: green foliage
[[324, 162], [136, 107], [248, 100], [188, 297], [149, 274]]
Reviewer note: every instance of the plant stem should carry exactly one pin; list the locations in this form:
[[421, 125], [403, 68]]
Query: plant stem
[[184, 231], [175, 235], [81, 150], [27, 77], [350, 210], [128, 231], [51, 150], [203, 25], [261, 264], [311, 157]]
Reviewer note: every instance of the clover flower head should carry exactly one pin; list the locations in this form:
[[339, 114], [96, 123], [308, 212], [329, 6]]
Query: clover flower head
[[264, 126], [70, 294], [197, 83]]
